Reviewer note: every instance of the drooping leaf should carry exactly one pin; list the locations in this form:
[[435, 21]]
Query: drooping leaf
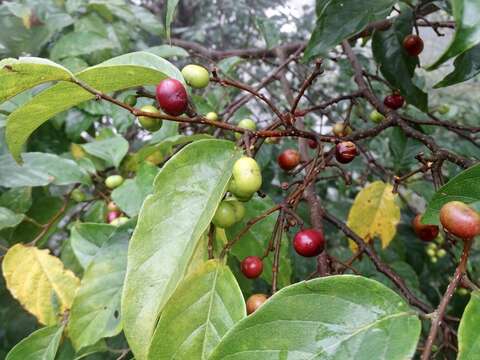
[[95, 310], [338, 20], [463, 187], [112, 149], [336, 317], [39, 281], [467, 30], [40, 345], [468, 335], [125, 71], [467, 66], [9, 219], [171, 7], [374, 213], [199, 313], [186, 194], [87, 239]]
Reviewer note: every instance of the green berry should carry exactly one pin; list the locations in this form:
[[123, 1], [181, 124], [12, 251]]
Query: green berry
[[212, 116], [78, 195], [247, 177], [119, 221], [248, 124], [441, 253], [130, 100], [113, 181], [196, 76], [148, 123], [376, 117], [225, 215], [431, 252], [239, 209], [443, 109]]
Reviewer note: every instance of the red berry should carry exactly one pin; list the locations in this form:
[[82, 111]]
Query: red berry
[[309, 242], [423, 231], [312, 143], [460, 220], [394, 101], [289, 159], [413, 44], [252, 267], [172, 97], [345, 152], [255, 301], [112, 215]]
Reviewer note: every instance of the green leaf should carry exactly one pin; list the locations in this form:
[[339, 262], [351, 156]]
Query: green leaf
[[130, 195], [186, 194], [468, 335], [339, 20], [256, 240], [80, 43], [9, 219], [268, 29], [40, 169], [337, 317], [95, 311], [171, 6], [199, 313], [394, 62], [19, 75], [17, 199], [467, 33], [168, 129], [467, 66], [168, 51], [112, 150], [403, 149], [129, 70], [40, 345], [463, 187], [87, 239]]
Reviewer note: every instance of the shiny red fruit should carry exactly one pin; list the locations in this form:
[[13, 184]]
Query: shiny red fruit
[[172, 97], [255, 301], [112, 215], [423, 231], [460, 220], [309, 242], [289, 159], [394, 101], [252, 267], [312, 143], [345, 152], [413, 44]]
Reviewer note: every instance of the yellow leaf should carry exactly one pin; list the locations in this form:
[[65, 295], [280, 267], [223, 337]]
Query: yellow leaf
[[374, 213], [38, 280]]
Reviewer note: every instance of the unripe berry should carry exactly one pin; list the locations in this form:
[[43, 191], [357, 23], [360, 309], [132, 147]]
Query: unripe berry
[[196, 76], [345, 152], [111, 206], [247, 177], [255, 301], [443, 109], [119, 221], [340, 129], [423, 231], [246, 124], [413, 44], [172, 97], [212, 116], [394, 101], [148, 123], [225, 215], [239, 209], [130, 100], [78, 195], [376, 116], [289, 159], [460, 220], [309, 242], [252, 267], [113, 181]]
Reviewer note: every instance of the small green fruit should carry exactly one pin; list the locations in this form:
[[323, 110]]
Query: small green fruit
[[376, 117], [78, 195], [247, 176], [462, 292], [119, 221], [441, 253], [246, 124], [434, 259], [443, 109], [431, 252], [239, 209], [340, 129], [130, 100], [113, 181], [225, 215], [212, 116], [150, 124], [196, 76]]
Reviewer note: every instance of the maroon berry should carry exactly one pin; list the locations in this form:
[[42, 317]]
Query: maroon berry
[[252, 267], [309, 242], [394, 101], [289, 159], [423, 231], [255, 301], [413, 44], [312, 143], [345, 152], [112, 215], [460, 220], [172, 97]]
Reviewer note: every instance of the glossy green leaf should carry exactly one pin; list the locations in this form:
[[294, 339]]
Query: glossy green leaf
[[79, 43], [168, 51], [125, 71], [468, 335], [40, 169], [337, 317], [40, 345], [463, 187], [403, 149], [9, 219], [256, 240], [199, 313], [95, 312], [467, 66], [17, 199], [18, 75], [112, 150], [394, 62], [87, 239], [467, 30], [338, 20], [186, 194], [171, 6]]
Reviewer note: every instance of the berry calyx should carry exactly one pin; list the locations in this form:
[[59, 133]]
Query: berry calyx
[[345, 152], [394, 101], [376, 116], [248, 124], [460, 220], [225, 215], [172, 97], [113, 181], [130, 100], [413, 44], [254, 302], [212, 116], [252, 267], [196, 76], [312, 143], [424, 232], [148, 123], [340, 129], [309, 242], [289, 159], [112, 215]]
